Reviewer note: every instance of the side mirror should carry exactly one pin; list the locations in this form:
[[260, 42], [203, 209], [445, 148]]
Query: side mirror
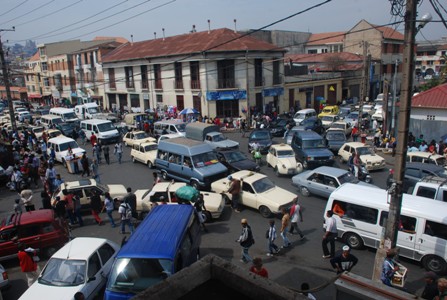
[[91, 279]]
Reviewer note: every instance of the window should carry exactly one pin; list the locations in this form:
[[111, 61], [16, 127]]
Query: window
[[157, 76], [225, 73], [178, 75], [312, 51], [426, 192], [436, 229], [106, 252], [359, 212], [258, 72], [276, 75], [129, 77], [44, 66], [46, 82], [144, 81], [112, 83], [227, 108], [195, 74], [29, 230], [159, 98], [94, 265], [406, 224]]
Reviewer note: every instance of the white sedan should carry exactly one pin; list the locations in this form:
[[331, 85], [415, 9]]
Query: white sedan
[[258, 192], [136, 137], [145, 152], [282, 159], [82, 265], [368, 157]]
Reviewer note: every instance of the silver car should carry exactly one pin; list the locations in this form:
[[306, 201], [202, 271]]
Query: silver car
[[322, 181]]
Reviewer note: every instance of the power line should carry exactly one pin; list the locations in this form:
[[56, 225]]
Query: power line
[[18, 5], [27, 13]]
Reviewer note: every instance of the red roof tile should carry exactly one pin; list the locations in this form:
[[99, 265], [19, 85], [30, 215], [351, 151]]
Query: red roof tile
[[433, 98], [213, 41], [35, 57], [326, 38], [390, 33]]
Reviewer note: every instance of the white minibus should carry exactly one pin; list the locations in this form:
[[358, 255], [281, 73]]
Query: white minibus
[[103, 129], [361, 213], [67, 114]]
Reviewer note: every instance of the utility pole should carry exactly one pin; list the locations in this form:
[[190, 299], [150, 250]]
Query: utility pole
[[392, 224], [6, 80], [385, 107], [365, 75], [393, 114]]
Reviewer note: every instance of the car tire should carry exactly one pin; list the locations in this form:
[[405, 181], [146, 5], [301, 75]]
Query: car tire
[[277, 171], [164, 175], [353, 240], [434, 263], [340, 160], [265, 211], [149, 164], [208, 217], [304, 191]]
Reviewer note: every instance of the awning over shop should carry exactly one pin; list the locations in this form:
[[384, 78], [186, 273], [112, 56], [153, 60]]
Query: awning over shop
[[34, 96], [272, 92], [226, 95]]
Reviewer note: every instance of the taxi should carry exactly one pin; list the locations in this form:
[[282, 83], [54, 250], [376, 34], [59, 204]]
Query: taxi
[[258, 192], [145, 153], [329, 110], [136, 137], [368, 157], [281, 158]]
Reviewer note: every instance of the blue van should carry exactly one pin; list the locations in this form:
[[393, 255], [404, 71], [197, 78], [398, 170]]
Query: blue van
[[167, 241]]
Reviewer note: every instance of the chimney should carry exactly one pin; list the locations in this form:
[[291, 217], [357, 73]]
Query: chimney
[[209, 26], [131, 39], [193, 29], [155, 35], [235, 29], [163, 33]]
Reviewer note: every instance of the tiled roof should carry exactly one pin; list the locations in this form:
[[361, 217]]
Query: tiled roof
[[390, 33], [322, 61], [120, 40], [213, 41], [326, 38], [35, 57], [433, 98]]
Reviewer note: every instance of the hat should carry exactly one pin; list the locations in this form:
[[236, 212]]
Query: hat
[[431, 275], [346, 248], [229, 177], [244, 221], [162, 198]]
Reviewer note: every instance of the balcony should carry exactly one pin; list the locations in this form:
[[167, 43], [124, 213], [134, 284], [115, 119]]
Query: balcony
[[178, 84], [158, 85], [227, 83], [195, 84]]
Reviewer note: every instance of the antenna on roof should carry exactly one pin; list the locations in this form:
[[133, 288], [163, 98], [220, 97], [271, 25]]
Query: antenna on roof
[[193, 29], [131, 38], [235, 29], [163, 33], [155, 35], [209, 26]]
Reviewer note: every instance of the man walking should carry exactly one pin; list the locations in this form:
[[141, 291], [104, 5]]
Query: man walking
[[344, 261], [284, 227], [246, 240], [126, 216], [296, 216], [27, 264], [106, 150], [119, 151], [235, 191], [329, 235], [96, 206]]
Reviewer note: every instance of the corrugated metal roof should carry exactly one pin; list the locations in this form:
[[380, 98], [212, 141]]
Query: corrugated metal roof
[[217, 40], [433, 98]]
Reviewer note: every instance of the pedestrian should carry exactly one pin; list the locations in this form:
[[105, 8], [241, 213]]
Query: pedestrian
[[59, 206], [34, 161], [28, 263], [284, 227], [305, 291], [131, 199], [77, 210], [50, 177], [98, 150], [156, 178], [246, 240], [389, 267], [27, 199], [431, 286], [243, 127], [118, 151], [42, 169], [93, 139], [296, 215], [94, 169], [271, 236], [442, 288], [235, 191], [58, 181], [344, 261], [109, 207], [17, 206], [85, 165], [106, 150], [329, 235], [46, 200], [355, 133], [199, 206], [258, 269], [96, 206], [125, 211], [69, 208]]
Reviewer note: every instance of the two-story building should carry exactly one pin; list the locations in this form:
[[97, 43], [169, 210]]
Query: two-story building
[[218, 72], [430, 58]]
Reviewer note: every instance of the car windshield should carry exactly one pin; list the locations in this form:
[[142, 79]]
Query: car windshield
[[338, 125], [365, 151], [219, 138], [347, 177], [139, 136], [286, 153], [63, 272], [150, 147], [38, 129], [70, 115], [440, 161], [327, 118], [317, 143], [260, 135], [204, 159], [280, 123], [335, 135], [235, 157], [133, 275], [93, 110], [57, 121], [105, 127], [71, 144], [181, 127], [353, 115], [263, 185], [65, 126]]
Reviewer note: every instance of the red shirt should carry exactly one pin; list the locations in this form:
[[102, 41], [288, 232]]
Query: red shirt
[[26, 262], [263, 272]]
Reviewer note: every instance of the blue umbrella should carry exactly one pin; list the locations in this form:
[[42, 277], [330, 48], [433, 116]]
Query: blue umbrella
[[188, 111]]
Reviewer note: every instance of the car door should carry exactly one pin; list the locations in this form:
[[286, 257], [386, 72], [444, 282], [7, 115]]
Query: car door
[[95, 277], [106, 254], [248, 196], [8, 242], [315, 183], [30, 235], [271, 155], [139, 153]]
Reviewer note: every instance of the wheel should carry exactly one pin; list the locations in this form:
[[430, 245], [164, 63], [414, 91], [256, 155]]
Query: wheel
[[353, 240], [277, 171], [368, 179], [208, 217], [64, 163], [265, 211], [133, 159], [125, 144], [149, 164], [164, 175], [195, 184], [434, 263], [304, 191], [49, 252], [305, 165]]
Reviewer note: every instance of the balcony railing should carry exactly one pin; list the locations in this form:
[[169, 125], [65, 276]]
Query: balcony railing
[[228, 83], [195, 84], [178, 84], [158, 84]]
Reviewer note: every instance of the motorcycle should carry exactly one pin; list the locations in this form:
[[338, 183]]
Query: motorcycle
[[257, 156], [363, 173]]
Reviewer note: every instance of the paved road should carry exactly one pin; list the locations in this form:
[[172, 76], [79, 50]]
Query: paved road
[[302, 262]]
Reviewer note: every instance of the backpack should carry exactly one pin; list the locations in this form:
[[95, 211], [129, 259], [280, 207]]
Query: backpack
[[127, 211]]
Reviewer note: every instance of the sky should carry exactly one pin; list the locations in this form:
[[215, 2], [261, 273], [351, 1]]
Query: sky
[[46, 21]]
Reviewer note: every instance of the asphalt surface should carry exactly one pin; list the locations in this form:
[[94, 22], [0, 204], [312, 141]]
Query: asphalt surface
[[302, 262]]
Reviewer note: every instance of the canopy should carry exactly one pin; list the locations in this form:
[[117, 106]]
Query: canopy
[[188, 111]]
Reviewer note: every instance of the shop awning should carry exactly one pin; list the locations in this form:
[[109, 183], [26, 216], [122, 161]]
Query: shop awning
[[34, 96]]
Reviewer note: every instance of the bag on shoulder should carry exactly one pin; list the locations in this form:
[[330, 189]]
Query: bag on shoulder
[[128, 212]]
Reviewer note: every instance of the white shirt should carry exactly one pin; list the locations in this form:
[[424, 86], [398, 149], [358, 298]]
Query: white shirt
[[296, 214], [331, 225]]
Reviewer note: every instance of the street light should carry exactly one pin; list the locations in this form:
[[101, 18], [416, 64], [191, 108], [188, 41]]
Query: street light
[[424, 20]]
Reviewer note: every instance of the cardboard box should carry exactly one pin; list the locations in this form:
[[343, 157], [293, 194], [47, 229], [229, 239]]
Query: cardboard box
[[399, 276]]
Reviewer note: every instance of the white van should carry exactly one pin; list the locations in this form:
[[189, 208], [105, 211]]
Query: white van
[[61, 145], [169, 127], [103, 129], [303, 114], [87, 110], [67, 114], [50, 121], [361, 213]]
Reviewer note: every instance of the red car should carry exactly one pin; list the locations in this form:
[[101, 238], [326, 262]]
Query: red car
[[36, 229]]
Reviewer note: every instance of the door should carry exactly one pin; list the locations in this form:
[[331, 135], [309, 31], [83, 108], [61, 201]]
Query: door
[[432, 238], [248, 196], [95, 277]]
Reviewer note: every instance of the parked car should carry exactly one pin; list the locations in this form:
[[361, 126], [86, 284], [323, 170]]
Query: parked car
[[235, 160], [52, 133], [329, 110], [344, 111], [61, 145], [353, 117], [84, 189], [37, 229], [258, 192], [378, 114], [282, 159], [313, 123], [278, 127], [415, 171], [145, 152], [322, 181], [328, 120], [262, 137], [136, 137], [290, 134], [82, 265], [310, 150], [146, 199], [426, 157], [369, 158], [334, 139], [66, 128], [346, 127]]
